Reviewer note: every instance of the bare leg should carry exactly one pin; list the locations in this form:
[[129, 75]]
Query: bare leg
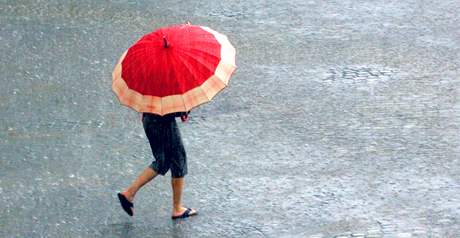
[[178, 186], [145, 177]]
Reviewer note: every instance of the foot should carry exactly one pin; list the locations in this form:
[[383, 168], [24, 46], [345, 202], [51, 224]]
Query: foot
[[126, 204], [183, 212]]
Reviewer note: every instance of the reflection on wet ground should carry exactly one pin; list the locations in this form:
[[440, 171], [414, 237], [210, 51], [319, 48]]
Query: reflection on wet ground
[[342, 120]]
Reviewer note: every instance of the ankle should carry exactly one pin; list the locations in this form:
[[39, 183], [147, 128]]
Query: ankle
[[129, 193], [177, 208]]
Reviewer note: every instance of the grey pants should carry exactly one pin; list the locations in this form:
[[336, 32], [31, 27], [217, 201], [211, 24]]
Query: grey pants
[[166, 144]]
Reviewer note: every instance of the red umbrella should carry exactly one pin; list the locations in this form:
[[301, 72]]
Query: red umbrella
[[174, 69]]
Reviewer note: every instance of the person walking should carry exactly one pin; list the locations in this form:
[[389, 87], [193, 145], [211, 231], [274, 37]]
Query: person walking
[[164, 75], [169, 154]]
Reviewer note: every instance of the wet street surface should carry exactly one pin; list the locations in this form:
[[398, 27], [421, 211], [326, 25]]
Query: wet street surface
[[342, 120]]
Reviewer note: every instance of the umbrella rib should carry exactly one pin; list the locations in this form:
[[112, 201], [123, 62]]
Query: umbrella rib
[[189, 68], [175, 66], [200, 85], [202, 62], [140, 83], [137, 52], [202, 50], [199, 42], [201, 37], [221, 60], [134, 54], [189, 53], [183, 100], [204, 92]]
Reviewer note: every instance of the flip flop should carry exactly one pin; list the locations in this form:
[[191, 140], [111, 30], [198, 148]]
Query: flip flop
[[185, 214], [126, 204]]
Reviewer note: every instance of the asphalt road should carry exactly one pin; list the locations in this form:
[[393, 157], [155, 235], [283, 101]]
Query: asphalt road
[[342, 120]]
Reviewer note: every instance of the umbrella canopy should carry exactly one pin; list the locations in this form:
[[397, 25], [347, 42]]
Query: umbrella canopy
[[174, 69]]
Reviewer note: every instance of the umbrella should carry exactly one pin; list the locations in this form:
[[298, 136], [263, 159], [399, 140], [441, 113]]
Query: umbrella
[[174, 69]]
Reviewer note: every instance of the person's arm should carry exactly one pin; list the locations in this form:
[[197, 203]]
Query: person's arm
[[178, 114], [183, 115]]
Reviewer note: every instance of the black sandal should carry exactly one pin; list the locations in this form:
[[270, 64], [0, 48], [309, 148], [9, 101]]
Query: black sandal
[[185, 214], [126, 204]]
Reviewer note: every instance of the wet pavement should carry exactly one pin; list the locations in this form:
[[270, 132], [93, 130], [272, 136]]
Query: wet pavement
[[342, 120]]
